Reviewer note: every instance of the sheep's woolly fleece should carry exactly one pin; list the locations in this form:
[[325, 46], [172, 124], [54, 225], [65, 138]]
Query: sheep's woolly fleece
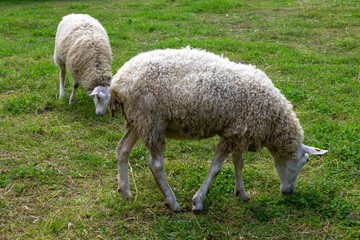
[[193, 94], [82, 44]]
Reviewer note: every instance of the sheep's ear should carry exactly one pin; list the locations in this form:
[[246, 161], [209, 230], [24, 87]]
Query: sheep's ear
[[312, 150], [94, 92]]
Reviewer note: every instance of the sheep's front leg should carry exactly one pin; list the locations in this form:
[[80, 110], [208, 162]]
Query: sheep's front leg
[[62, 80], [123, 152], [157, 168], [215, 168], [73, 94], [239, 185]]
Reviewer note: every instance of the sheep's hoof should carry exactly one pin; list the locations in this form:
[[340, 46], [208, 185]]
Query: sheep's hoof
[[196, 210], [126, 194], [175, 208], [242, 196], [197, 206]]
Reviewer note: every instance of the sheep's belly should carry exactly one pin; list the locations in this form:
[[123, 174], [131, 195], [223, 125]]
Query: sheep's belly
[[176, 131]]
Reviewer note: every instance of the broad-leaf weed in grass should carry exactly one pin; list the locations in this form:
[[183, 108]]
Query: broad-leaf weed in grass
[[58, 162]]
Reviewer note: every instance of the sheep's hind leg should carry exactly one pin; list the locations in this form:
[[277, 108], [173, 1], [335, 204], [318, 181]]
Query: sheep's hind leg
[[215, 168], [157, 168], [239, 185], [62, 80], [73, 94], [123, 152]]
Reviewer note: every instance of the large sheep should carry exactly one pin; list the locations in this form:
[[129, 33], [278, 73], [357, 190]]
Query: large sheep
[[82, 45], [193, 94]]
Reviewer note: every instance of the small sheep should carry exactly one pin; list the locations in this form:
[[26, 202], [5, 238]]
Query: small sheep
[[193, 94], [82, 45]]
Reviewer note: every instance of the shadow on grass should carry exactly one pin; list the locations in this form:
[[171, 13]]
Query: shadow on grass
[[37, 103], [328, 205]]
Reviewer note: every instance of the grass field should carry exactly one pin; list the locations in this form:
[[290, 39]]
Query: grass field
[[58, 162]]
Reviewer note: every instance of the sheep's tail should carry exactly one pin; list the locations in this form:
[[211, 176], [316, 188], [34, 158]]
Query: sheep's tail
[[114, 105]]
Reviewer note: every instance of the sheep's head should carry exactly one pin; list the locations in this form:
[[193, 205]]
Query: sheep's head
[[101, 97], [289, 166]]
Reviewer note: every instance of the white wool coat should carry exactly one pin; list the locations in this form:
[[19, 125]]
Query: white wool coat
[[82, 44], [194, 94]]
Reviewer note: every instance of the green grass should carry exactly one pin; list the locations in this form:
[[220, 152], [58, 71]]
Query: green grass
[[58, 162]]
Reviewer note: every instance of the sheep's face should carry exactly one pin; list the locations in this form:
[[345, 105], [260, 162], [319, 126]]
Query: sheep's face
[[289, 167], [101, 97]]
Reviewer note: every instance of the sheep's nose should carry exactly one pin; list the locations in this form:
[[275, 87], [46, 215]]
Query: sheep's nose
[[99, 114]]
